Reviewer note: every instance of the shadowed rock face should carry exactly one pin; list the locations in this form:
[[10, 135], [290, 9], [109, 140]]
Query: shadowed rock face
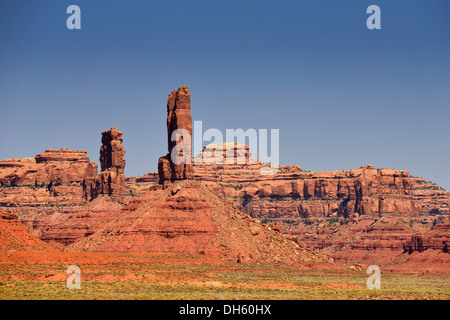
[[303, 196], [436, 238], [112, 153], [111, 181], [178, 117]]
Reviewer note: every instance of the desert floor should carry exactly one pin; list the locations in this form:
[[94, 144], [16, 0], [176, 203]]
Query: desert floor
[[42, 275]]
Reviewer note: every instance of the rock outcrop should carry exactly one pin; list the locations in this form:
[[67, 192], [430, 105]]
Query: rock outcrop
[[348, 194], [296, 196], [359, 215], [184, 216], [369, 240], [111, 180], [179, 138], [397, 242], [219, 152], [81, 222], [293, 194], [179, 215], [437, 238], [434, 200], [52, 176]]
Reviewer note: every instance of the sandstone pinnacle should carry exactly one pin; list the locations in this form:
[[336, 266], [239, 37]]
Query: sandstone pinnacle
[[178, 118]]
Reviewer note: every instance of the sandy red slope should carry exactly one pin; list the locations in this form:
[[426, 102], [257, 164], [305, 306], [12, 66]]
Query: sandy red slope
[[15, 236]]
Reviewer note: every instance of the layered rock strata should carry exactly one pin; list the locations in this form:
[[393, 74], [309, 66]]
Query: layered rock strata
[[225, 153], [184, 216], [54, 176], [311, 196], [434, 201], [81, 222], [363, 214], [437, 238]]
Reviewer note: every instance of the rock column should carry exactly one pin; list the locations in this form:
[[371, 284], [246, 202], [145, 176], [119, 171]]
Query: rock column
[[111, 180], [179, 138]]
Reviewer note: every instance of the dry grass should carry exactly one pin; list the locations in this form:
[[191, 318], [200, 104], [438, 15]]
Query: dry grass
[[180, 276]]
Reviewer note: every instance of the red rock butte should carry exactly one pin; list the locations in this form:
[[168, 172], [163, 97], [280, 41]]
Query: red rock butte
[[53, 174]]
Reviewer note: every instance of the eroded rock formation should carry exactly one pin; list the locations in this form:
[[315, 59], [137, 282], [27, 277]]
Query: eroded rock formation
[[293, 194], [434, 200], [111, 180], [52, 176], [65, 229], [364, 214], [180, 215], [178, 118], [437, 238], [184, 216]]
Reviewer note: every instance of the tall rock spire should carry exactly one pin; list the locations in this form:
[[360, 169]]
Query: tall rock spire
[[111, 180], [179, 138], [112, 153]]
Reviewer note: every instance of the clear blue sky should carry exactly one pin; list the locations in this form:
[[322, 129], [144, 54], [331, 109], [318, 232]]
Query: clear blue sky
[[340, 94]]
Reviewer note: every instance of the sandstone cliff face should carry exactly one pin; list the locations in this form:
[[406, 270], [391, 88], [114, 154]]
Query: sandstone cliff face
[[347, 194], [54, 175], [312, 196], [296, 196], [178, 118], [361, 215], [434, 200], [437, 238], [111, 180]]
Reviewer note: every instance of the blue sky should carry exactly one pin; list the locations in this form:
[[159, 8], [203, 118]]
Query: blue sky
[[340, 94]]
